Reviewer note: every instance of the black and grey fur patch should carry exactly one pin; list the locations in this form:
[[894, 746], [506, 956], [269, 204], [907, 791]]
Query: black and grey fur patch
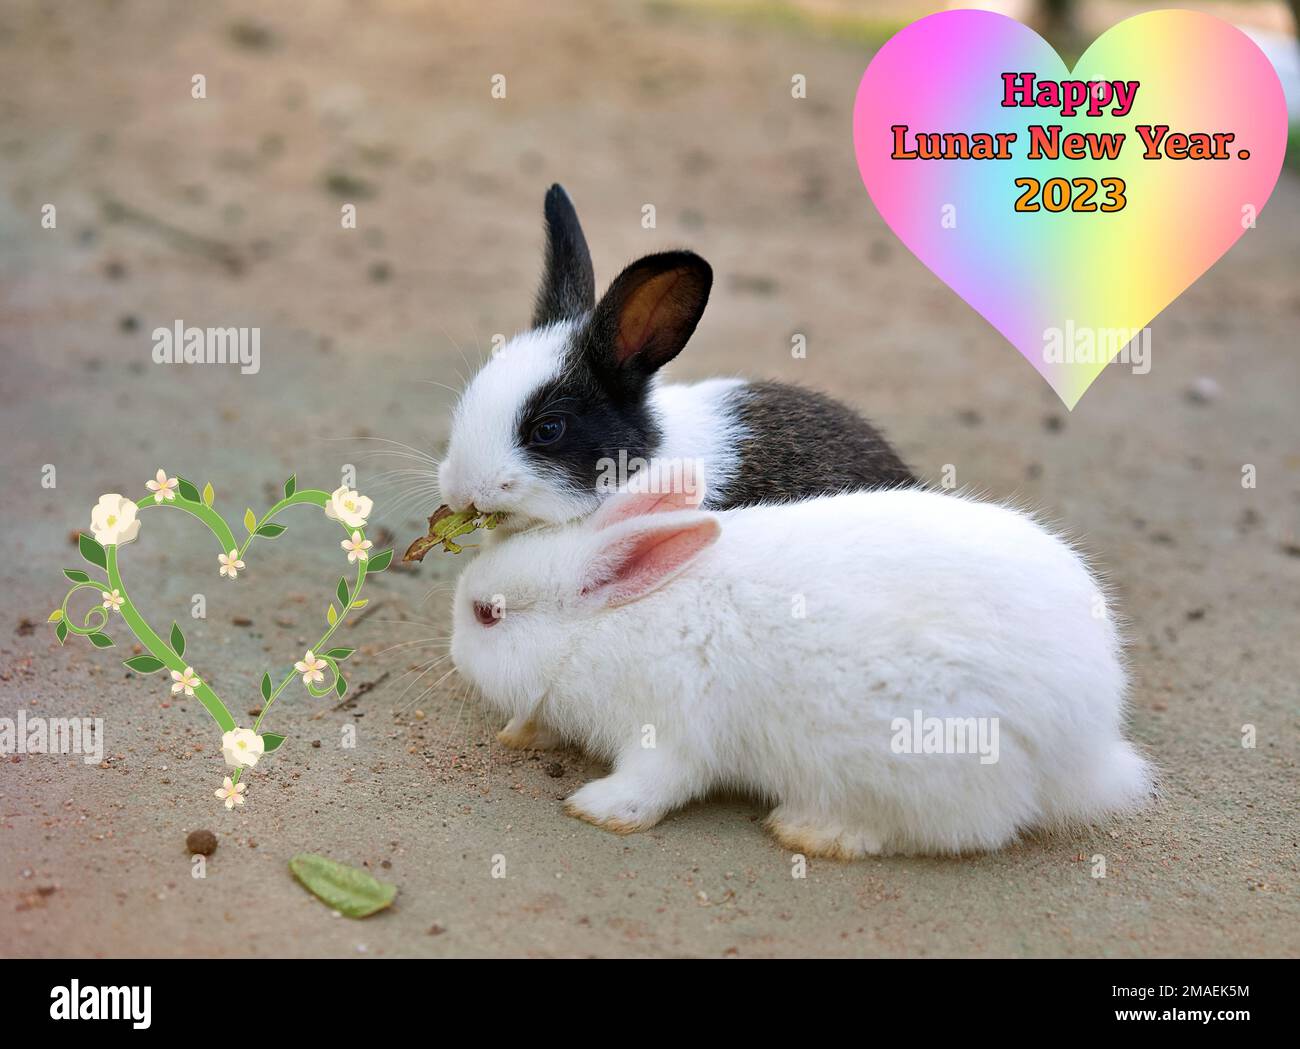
[[602, 418], [568, 286], [800, 444]]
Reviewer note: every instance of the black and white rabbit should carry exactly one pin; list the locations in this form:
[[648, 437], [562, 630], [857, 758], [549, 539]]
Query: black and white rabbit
[[539, 430]]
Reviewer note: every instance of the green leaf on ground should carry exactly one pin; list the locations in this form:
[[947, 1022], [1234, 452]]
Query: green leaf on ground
[[349, 891]]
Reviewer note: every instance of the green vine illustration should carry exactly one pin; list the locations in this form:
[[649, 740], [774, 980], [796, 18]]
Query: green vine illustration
[[115, 522]]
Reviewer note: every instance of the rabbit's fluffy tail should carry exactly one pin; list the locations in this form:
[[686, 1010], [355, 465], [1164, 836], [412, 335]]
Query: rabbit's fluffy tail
[[1118, 780]]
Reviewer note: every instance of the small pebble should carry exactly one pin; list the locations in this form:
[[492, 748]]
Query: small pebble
[[1204, 390], [201, 842], [555, 770]]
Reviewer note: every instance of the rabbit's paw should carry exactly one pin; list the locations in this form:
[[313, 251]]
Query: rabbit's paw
[[528, 735], [825, 838], [615, 803]]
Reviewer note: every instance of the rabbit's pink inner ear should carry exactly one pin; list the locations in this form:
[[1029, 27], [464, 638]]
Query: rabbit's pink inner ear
[[686, 493], [649, 307], [637, 564]]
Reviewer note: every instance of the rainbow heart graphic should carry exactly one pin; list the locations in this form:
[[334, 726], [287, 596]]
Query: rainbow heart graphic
[[1069, 256]]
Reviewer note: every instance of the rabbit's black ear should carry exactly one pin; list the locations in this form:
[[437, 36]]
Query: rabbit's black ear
[[649, 312], [569, 283]]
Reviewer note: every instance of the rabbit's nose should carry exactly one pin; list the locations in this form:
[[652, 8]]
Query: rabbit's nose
[[454, 491]]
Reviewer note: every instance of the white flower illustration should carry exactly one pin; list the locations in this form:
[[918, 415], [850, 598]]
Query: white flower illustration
[[113, 520], [163, 487], [349, 507], [231, 793], [311, 668], [356, 547], [185, 682], [242, 747], [113, 600], [230, 564]]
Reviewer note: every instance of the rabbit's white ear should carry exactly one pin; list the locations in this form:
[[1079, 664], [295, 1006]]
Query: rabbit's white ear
[[635, 561], [678, 484]]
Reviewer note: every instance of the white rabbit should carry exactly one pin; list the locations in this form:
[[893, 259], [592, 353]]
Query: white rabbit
[[783, 650]]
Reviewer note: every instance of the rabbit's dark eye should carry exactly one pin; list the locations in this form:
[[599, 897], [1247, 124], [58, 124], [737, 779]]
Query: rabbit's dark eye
[[548, 430], [485, 613]]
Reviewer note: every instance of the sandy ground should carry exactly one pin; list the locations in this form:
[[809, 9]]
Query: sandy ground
[[225, 211]]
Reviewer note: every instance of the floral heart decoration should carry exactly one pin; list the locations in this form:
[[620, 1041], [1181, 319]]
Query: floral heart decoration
[[114, 522]]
